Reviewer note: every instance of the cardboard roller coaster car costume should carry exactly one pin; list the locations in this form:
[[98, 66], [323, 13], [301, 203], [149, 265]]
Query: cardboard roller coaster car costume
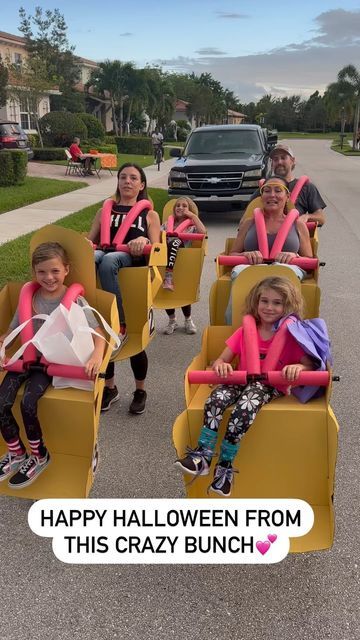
[[69, 417], [290, 450], [144, 280], [220, 290], [188, 265]]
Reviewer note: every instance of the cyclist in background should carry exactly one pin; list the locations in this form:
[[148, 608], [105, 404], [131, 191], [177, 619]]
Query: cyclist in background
[[157, 140]]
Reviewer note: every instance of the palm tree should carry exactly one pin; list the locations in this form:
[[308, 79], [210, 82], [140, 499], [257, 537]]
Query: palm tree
[[348, 84], [111, 80]]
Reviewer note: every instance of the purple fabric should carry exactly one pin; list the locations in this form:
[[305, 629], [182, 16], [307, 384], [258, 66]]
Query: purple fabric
[[312, 335]]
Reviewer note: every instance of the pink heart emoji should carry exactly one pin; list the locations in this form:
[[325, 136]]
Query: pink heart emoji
[[272, 537], [263, 547]]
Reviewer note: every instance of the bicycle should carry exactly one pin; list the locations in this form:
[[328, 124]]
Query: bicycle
[[158, 155]]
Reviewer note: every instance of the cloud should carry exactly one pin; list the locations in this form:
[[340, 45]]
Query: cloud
[[298, 68], [126, 34], [231, 16], [210, 51]]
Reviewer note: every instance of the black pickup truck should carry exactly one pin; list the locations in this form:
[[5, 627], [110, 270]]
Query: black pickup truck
[[221, 163]]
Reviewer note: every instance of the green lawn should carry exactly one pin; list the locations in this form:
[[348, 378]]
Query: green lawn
[[304, 136], [14, 255], [34, 190], [142, 161]]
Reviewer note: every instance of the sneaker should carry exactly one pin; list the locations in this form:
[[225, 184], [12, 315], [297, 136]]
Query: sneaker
[[168, 281], [170, 327], [223, 479], [123, 339], [197, 462], [138, 403], [189, 326], [10, 463], [29, 471], [109, 397]]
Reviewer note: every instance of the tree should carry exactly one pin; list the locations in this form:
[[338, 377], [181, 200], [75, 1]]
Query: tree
[[29, 84], [347, 88], [45, 36], [4, 78], [111, 80]]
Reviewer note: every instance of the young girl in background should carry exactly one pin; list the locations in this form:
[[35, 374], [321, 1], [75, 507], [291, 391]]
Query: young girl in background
[[50, 265], [268, 302], [184, 209]]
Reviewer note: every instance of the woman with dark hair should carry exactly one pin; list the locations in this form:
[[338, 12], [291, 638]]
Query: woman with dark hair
[[131, 187]]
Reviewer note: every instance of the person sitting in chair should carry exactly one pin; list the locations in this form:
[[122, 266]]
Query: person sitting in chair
[[77, 156]]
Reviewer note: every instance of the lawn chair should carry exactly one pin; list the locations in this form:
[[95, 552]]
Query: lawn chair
[[76, 168]]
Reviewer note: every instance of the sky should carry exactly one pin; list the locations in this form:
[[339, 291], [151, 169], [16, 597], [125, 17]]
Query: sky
[[252, 48]]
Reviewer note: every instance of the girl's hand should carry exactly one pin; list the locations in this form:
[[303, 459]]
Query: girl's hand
[[285, 257], [92, 367], [292, 371], [221, 368], [136, 246], [254, 257]]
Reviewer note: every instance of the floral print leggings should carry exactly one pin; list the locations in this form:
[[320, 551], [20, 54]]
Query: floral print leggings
[[248, 401]]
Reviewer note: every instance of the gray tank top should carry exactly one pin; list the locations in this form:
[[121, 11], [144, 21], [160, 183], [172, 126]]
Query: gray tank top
[[292, 242]]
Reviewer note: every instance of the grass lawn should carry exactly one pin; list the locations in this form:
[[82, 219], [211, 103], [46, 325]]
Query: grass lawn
[[142, 161], [14, 255], [309, 136], [34, 190]]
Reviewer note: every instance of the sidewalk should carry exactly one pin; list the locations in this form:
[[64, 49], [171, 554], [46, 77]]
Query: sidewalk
[[20, 221]]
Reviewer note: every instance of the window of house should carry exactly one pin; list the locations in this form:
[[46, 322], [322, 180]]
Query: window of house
[[27, 119], [17, 59]]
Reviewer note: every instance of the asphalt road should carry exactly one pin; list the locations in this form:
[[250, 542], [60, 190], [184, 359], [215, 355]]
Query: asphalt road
[[307, 596]]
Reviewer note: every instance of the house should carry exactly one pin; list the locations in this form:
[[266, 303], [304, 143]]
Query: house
[[234, 117], [181, 112], [12, 49]]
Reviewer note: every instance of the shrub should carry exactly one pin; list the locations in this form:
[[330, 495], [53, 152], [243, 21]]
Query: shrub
[[54, 153], [94, 127], [59, 128], [110, 139], [102, 148], [13, 167], [141, 146], [33, 139]]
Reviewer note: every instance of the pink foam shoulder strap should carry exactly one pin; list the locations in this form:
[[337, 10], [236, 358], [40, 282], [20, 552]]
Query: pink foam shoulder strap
[[281, 235], [181, 227], [250, 360], [134, 212], [105, 222], [299, 185]]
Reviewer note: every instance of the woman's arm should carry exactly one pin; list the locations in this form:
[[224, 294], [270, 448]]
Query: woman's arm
[[137, 245], [94, 233], [238, 246], [305, 249]]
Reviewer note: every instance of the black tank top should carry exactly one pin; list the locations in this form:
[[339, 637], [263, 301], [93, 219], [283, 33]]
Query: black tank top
[[137, 229]]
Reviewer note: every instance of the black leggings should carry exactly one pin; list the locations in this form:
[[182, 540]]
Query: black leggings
[[36, 383], [186, 311], [138, 363]]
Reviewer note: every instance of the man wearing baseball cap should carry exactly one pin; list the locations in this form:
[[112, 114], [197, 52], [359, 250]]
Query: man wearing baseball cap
[[309, 202]]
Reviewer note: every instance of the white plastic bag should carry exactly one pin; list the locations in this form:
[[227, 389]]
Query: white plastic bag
[[64, 338]]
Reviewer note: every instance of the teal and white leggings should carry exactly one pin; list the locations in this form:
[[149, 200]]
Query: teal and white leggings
[[248, 400]]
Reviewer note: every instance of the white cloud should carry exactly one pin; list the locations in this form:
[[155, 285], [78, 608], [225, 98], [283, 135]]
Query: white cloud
[[297, 68]]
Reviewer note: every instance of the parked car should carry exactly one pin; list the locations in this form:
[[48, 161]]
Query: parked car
[[12, 136], [221, 163]]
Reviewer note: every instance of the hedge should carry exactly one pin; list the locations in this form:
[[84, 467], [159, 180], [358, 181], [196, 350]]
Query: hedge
[[33, 139], [102, 148], [13, 167], [54, 153], [59, 128], [94, 127], [141, 146]]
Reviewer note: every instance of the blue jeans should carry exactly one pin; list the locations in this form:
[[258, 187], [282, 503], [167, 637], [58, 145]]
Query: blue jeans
[[108, 265], [300, 273]]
